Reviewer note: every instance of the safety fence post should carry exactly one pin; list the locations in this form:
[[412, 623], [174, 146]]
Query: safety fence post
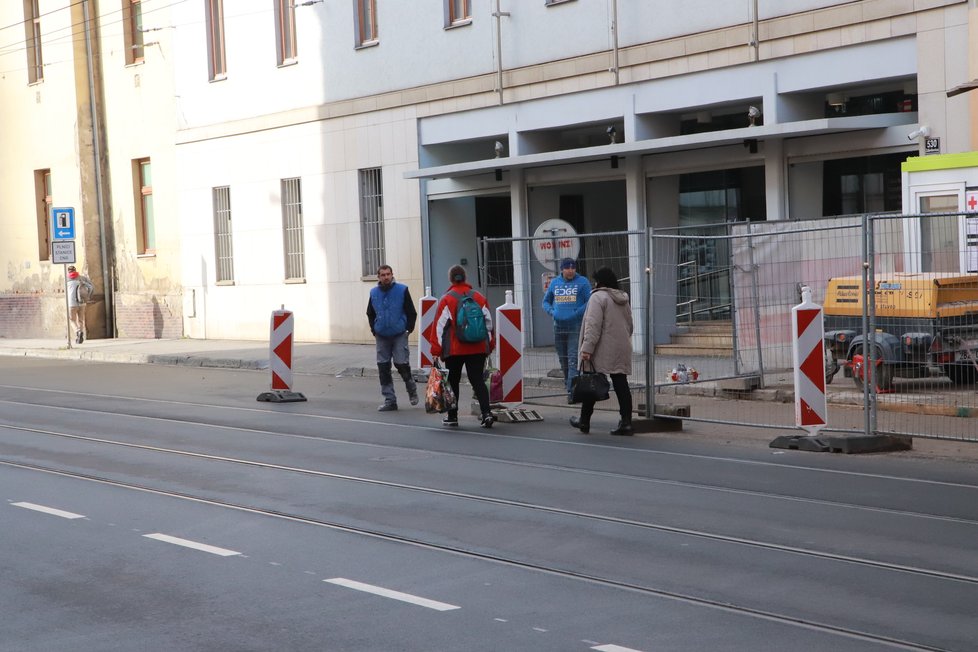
[[280, 359], [426, 306], [808, 355], [509, 352]]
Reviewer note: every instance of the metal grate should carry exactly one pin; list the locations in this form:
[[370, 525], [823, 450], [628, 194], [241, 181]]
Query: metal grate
[[371, 220], [292, 230], [223, 251]]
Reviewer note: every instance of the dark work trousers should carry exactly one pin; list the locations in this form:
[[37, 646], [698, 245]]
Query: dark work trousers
[[475, 365], [620, 383]]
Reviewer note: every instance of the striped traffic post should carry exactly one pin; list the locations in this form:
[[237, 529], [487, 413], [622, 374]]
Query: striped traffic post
[[427, 309], [280, 359], [509, 349], [808, 352]]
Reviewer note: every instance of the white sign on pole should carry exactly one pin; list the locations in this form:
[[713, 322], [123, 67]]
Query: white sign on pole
[[556, 241], [63, 252]]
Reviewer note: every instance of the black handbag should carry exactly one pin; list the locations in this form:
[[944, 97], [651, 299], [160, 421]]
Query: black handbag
[[590, 385]]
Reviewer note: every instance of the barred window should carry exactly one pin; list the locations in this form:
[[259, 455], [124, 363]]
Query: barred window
[[223, 252], [292, 231], [371, 220]]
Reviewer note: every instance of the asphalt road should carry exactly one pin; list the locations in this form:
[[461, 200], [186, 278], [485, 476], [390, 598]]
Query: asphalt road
[[163, 508]]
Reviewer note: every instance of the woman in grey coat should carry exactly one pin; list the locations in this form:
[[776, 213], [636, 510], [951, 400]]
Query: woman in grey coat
[[606, 342]]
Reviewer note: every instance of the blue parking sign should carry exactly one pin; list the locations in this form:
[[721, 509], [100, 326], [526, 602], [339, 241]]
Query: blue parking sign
[[63, 223]]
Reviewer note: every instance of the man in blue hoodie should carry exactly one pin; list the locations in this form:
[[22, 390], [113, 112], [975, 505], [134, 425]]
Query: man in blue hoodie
[[565, 301], [392, 316]]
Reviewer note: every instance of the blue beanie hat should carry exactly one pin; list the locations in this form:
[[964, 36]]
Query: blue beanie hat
[[567, 263]]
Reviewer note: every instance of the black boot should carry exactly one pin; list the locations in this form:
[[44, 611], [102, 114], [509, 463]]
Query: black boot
[[583, 426], [624, 428]]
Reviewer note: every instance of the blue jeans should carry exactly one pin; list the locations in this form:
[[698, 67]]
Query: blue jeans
[[565, 340]]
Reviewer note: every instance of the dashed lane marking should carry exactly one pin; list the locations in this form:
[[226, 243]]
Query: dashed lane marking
[[48, 510], [186, 543], [613, 648], [394, 595]]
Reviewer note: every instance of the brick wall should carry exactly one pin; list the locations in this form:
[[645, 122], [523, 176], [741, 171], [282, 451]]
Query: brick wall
[[148, 317], [22, 316]]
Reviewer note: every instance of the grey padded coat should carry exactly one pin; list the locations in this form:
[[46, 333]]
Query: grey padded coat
[[606, 332]]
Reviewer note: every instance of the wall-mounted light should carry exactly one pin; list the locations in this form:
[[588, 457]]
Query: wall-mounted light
[[751, 145], [612, 134], [753, 113], [498, 174], [835, 99], [614, 162]]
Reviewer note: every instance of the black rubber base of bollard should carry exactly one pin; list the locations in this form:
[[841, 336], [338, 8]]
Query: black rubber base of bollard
[[281, 396]]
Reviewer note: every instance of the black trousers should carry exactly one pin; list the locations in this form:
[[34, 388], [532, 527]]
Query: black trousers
[[475, 366], [620, 384]]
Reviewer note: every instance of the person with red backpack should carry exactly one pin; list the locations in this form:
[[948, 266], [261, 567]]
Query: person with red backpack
[[461, 335]]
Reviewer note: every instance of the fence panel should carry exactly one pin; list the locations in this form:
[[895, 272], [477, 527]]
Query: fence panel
[[925, 321], [720, 299], [528, 265]]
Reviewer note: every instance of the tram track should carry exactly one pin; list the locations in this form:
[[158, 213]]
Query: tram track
[[458, 550], [534, 507]]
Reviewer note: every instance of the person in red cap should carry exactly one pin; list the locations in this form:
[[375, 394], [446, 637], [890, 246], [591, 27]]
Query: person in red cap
[[78, 288]]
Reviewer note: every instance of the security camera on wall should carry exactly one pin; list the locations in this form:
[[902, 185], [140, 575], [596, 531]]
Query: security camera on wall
[[924, 132]]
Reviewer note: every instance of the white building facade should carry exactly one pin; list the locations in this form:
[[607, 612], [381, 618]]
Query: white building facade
[[412, 129]]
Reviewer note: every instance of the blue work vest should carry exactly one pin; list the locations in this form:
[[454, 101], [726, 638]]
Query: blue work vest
[[390, 320]]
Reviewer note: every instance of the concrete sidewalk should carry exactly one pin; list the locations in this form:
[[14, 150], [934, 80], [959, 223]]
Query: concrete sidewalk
[[321, 359]]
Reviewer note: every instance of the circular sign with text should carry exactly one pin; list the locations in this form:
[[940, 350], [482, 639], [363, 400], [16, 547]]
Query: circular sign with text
[[555, 239]]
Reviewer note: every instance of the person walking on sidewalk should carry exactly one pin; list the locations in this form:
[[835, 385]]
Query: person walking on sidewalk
[[79, 290], [606, 342], [565, 301], [461, 334], [392, 316]]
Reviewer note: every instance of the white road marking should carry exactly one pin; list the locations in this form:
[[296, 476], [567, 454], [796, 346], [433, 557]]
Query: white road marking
[[394, 595], [613, 648], [48, 510], [186, 543]]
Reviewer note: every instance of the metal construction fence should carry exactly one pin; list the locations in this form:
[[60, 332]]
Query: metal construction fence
[[712, 305]]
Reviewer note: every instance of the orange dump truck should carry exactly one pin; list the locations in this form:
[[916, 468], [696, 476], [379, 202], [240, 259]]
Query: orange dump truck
[[926, 325]]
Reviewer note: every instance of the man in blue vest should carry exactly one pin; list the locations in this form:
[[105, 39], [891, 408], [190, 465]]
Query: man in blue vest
[[565, 301], [392, 315]]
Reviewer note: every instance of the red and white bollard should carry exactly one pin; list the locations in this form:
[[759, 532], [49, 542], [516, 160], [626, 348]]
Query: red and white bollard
[[426, 306], [280, 359], [509, 348], [808, 351]]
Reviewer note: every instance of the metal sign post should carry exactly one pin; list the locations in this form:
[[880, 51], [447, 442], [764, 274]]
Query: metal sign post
[[63, 249]]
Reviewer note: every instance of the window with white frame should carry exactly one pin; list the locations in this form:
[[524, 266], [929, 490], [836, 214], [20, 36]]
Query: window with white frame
[[223, 250], [366, 22], [458, 12], [216, 59], [285, 31], [371, 220], [132, 21], [145, 218], [32, 28], [292, 229]]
